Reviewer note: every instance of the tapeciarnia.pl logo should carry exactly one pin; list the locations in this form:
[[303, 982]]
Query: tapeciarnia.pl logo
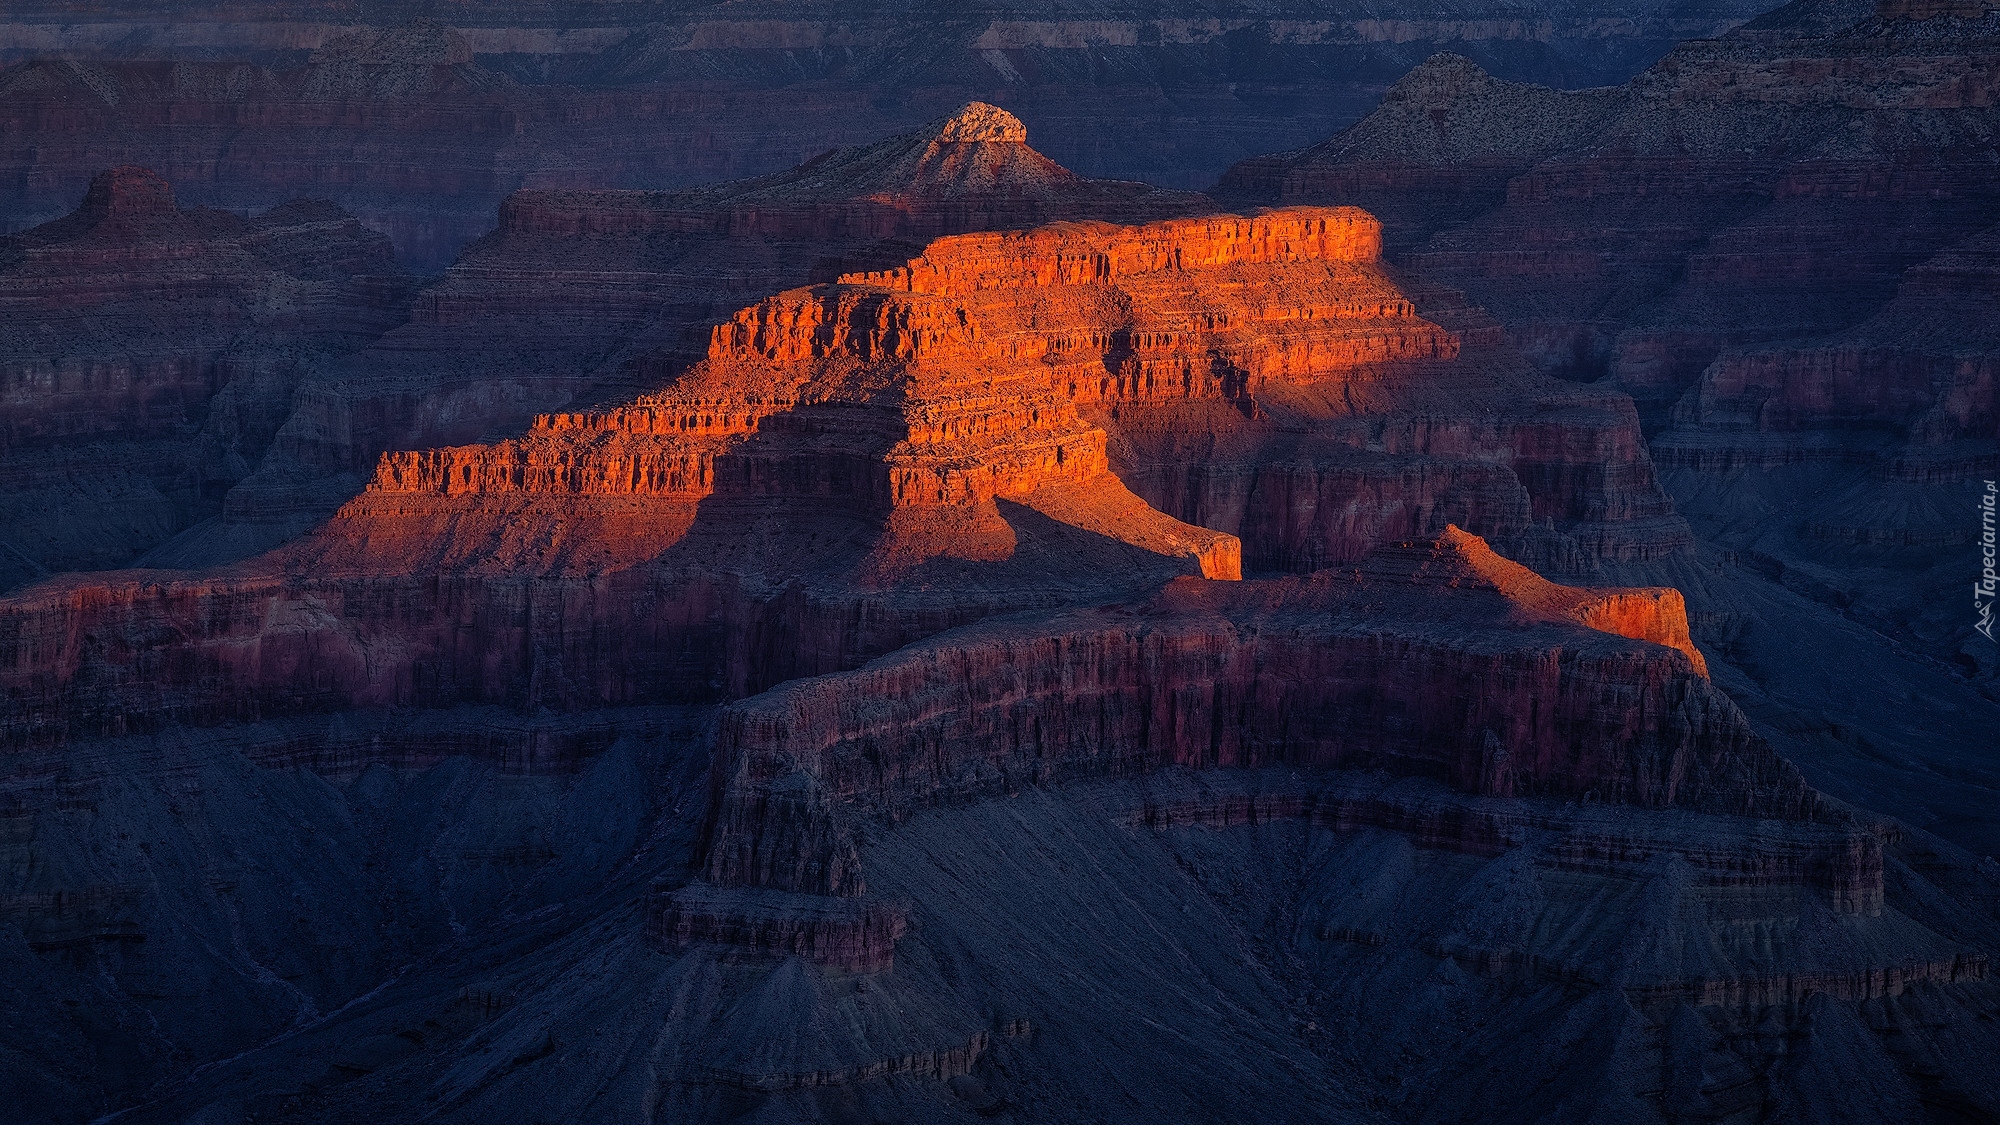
[[1983, 590]]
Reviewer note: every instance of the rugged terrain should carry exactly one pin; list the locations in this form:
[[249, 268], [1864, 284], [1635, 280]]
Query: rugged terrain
[[421, 117], [592, 297], [1780, 243], [149, 354], [929, 635], [888, 516]]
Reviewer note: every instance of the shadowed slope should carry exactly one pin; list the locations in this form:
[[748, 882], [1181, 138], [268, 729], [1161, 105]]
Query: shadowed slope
[[148, 353]]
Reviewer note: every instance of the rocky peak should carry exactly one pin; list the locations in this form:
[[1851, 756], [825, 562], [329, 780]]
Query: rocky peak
[[980, 150], [128, 192], [977, 121], [1440, 81]]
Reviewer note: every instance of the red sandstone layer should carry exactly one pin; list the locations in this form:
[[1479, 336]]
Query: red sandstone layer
[[592, 297], [964, 372], [865, 462]]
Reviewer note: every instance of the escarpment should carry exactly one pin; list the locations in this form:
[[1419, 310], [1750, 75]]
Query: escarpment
[[931, 635], [1779, 242], [149, 352], [584, 299], [1437, 660], [1264, 376], [1638, 232], [1436, 708], [881, 457], [597, 298]]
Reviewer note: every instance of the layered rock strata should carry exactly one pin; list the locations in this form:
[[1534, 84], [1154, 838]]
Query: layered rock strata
[[1553, 691], [1638, 231], [860, 464], [1312, 426], [148, 355], [423, 128], [583, 299], [1779, 243]]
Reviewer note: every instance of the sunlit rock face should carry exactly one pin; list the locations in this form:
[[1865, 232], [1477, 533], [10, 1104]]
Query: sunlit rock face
[[589, 298], [933, 441]]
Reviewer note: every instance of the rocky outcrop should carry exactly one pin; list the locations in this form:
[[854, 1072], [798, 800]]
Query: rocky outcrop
[[1343, 670], [849, 934], [1778, 242], [148, 354], [995, 785], [588, 298], [1311, 427], [863, 463]]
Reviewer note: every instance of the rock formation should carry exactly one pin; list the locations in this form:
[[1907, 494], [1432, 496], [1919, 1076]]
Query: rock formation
[[421, 126], [149, 354], [930, 442], [1309, 714], [929, 635], [1638, 230], [1779, 243], [591, 297], [1343, 670]]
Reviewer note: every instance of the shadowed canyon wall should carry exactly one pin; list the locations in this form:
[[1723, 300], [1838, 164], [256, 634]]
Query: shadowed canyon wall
[[422, 128], [149, 354]]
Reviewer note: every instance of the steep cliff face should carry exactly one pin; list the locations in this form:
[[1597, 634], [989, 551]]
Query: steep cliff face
[[869, 461], [148, 355], [1348, 669], [1311, 425], [1318, 755], [587, 298], [1779, 243], [1011, 787]]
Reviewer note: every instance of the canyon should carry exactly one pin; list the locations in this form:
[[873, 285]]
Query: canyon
[[421, 117], [149, 355], [1446, 624]]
